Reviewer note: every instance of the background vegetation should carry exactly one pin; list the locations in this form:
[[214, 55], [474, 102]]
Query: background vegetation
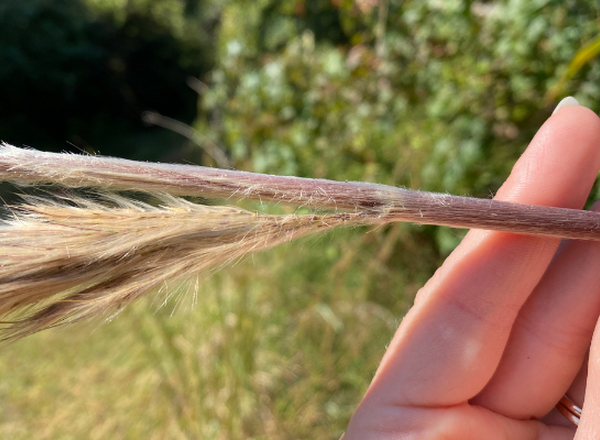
[[437, 95]]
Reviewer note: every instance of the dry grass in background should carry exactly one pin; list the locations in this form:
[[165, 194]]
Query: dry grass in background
[[255, 358]]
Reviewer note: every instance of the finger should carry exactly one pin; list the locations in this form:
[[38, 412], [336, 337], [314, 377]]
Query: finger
[[575, 393], [450, 343], [589, 426], [551, 336]]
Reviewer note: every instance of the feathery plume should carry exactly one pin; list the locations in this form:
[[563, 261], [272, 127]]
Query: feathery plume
[[63, 261]]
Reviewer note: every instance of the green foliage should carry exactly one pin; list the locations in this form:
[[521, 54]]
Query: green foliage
[[581, 59], [456, 83]]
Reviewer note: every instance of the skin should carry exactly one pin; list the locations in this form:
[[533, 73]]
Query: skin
[[507, 324]]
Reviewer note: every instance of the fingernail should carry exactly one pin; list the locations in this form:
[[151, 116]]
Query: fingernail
[[565, 102]]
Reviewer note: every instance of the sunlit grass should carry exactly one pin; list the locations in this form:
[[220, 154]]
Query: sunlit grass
[[279, 346]]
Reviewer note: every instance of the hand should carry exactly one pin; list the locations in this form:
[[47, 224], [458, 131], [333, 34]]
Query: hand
[[503, 329]]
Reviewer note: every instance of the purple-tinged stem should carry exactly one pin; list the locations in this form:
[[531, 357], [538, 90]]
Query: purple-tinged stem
[[376, 203]]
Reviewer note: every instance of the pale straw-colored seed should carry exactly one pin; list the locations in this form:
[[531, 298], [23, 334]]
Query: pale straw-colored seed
[[78, 258]]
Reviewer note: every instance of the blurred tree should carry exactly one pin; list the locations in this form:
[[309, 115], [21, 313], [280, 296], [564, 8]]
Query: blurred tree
[[78, 70]]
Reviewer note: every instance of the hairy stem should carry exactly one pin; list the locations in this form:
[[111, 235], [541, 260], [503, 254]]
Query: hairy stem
[[373, 202]]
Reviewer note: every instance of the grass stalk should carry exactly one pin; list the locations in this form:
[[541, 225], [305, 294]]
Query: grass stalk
[[66, 259], [374, 203]]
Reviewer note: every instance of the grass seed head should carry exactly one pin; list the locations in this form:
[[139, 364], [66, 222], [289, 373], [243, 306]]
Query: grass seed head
[[75, 258]]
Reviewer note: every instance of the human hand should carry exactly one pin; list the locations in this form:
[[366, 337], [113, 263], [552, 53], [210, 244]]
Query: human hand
[[502, 330]]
